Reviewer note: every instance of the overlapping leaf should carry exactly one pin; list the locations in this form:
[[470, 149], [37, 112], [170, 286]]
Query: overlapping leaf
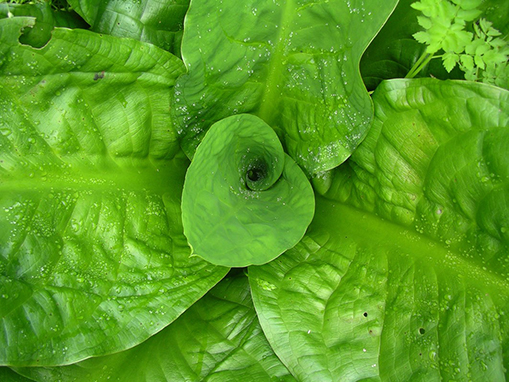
[[394, 50], [157, 22], [8, 375], [92, 255], [217, 339], [46, 19], [404, 273], [292, 63]]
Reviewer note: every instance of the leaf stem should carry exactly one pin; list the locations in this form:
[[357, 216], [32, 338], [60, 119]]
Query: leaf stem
[[419, 64]]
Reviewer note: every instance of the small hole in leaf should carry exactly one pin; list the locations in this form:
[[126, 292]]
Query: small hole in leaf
[[422, 331], [365, 314]]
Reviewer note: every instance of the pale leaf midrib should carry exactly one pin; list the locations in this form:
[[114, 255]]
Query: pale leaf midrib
[[373, 231], [157, 180], [270, 91]]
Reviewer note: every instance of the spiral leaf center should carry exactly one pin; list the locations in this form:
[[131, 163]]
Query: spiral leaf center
[[255, 174], [226, 223]]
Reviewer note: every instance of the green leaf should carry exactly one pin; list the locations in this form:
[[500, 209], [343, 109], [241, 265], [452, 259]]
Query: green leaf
[[46, 19], [418, 5], [217, 339], [390, 55], [455, 40], [486, 27], [404, 273], [469, 14], [450, 61], [501, 77], [497, 12], [474, 46], [8, 375], [93, 258], [157, 22], [500, 44], [292, 63], [394, 51], [422, 37], [467, 62], [482, 49], [424, 22], [244, 201], [468, 4], [492, 58], [479, 62]]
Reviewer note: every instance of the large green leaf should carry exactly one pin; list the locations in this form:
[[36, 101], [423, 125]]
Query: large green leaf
[[217, 339], [92, 254], [404, 273], [295, 64], [244, 201], [157, 22]]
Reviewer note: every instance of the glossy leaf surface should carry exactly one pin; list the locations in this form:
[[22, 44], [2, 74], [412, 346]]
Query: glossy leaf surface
[[404, 272], [244, 201], [295, 64], [92, 254], [217, 339], [157, 22]]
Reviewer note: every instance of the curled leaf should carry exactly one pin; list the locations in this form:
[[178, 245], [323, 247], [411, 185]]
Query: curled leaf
[[244, 201]]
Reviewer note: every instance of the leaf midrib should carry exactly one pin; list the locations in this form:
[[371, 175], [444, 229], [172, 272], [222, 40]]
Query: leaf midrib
[[373, 231], [160, 179], [270, 92]]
